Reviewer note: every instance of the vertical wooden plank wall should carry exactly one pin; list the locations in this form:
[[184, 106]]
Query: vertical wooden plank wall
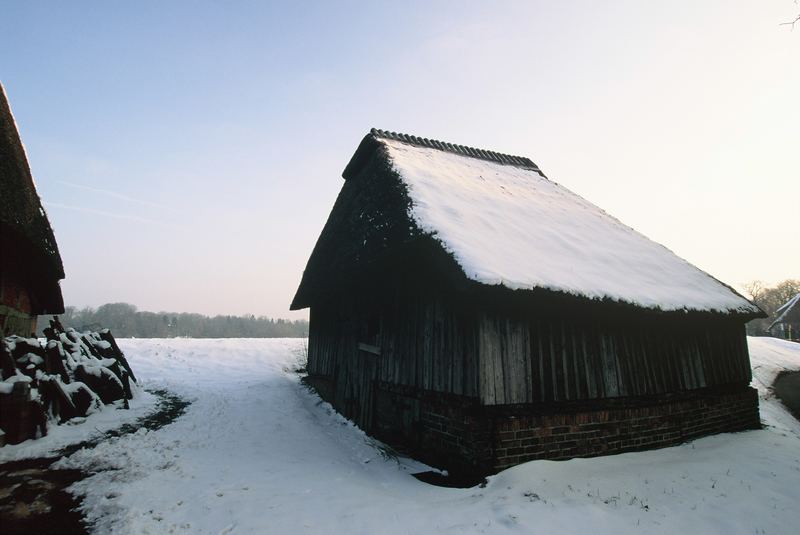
[[550, 359], [333, 353], [427, 344], [423, 342]]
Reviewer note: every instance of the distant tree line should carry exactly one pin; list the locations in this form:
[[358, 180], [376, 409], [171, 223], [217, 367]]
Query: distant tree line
[[769, 299], [125, 321]]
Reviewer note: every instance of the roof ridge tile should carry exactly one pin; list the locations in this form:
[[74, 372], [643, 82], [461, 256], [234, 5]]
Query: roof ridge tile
[[472, 152]]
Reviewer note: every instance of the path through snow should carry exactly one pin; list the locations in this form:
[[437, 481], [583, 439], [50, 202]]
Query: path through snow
[[257, 453]]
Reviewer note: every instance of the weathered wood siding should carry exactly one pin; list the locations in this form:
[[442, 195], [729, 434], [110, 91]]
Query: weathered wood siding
[[528, 360], [423, 344], [427, 344]]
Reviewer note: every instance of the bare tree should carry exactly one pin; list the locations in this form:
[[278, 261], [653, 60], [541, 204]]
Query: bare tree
[[792, 22], [769, 299], [755, 290]]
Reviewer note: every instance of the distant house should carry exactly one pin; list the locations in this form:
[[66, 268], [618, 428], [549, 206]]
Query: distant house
[[468, 308], [31, 265], [787, 320]]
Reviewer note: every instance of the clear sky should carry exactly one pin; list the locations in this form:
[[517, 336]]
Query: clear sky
[[188, 153]]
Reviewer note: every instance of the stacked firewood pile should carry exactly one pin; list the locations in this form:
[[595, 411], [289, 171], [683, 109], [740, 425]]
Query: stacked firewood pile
[[68, 375]]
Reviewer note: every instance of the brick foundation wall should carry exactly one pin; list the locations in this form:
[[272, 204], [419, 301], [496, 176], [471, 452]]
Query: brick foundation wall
[[589, 433], [463, 437], [460, 435], [456, 438]]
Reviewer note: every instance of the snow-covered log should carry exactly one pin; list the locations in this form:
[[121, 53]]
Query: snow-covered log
[[66, 375]]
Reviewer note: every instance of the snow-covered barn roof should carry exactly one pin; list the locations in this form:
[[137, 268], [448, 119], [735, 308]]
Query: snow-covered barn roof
[[506, 224], [787, 311]]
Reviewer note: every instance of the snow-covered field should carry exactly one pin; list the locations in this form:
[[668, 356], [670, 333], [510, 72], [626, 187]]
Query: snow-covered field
[[257, 453]]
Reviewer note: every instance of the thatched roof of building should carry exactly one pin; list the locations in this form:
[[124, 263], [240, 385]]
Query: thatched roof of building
[[28, 245], [506, 226]]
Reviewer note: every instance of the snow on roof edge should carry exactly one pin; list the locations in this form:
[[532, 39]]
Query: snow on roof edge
[[734, 303], [785, 309]]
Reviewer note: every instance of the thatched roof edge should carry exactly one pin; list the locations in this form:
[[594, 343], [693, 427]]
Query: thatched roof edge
[[371, 147], [22, 217], [371, 140]]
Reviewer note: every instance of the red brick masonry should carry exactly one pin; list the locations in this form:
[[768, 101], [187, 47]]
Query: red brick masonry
[[458, 434], [602, 432], [491, 440]]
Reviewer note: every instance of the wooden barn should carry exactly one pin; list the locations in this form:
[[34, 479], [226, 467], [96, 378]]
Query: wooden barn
[[470, 310], [31, 267], [787, 320]]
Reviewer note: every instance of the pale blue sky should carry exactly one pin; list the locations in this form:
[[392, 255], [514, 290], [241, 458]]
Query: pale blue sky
[[189, 153]]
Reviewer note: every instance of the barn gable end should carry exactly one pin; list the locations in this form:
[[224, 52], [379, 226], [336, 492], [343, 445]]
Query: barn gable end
[[368, 221]]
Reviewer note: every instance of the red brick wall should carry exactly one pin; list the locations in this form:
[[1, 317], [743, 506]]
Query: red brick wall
[[601, 432], [460, 435], [474, 439], [455, 438]]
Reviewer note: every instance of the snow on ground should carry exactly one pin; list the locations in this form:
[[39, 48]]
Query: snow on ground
[[769, 357], [258, 453], [77, 430]]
